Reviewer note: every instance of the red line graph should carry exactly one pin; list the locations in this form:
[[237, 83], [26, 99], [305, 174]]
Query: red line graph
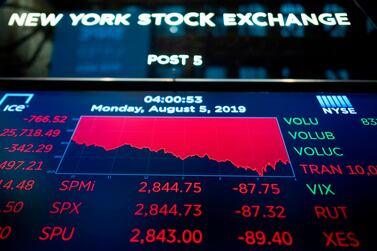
[[252, 144]]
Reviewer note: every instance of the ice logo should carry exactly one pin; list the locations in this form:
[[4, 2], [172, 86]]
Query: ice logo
[[9, 101]]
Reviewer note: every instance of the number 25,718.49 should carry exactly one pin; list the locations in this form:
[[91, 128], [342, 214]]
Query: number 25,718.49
[[29, 132]]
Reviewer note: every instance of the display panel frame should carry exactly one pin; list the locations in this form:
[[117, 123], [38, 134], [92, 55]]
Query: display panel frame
[[169, 84], [84, 88]]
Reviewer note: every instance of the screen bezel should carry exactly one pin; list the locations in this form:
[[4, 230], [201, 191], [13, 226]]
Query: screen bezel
[[209, 85]]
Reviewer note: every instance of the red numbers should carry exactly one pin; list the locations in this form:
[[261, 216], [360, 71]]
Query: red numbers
[[26, 185], [282, 238], [170, 236], [193, 209], [166, 187], [11, 165], [5, 232], [255, 238], [195, 187], [255, 211], [30, 148], [33, 166], [46, 119], [7, 132], [370, 170], [170, 187], [185, 210], [14, 165], [260, 238], [195, 236], [248, 188], [152, 236], [136, 234], [143, 187], [261, 189], [44, 148], [139, 210], [10, 185], [13, 207]]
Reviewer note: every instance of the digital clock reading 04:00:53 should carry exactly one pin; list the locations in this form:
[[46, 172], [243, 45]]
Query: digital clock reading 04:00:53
[[174, 99]]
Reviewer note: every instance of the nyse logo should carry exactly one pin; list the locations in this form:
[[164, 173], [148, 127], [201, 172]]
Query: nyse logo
[[335, 104], [8, 102]]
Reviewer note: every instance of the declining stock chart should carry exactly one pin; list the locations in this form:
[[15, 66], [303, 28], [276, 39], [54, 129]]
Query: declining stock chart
[[187, 171], [226, 146]]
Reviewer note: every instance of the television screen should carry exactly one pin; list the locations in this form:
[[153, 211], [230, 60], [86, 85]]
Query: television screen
[[187, 168]]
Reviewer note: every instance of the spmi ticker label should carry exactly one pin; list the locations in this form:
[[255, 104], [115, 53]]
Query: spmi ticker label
[[335, 104]]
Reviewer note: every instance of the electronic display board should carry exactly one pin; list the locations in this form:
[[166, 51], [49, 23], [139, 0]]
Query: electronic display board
[[189, 39], [190, 166]]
